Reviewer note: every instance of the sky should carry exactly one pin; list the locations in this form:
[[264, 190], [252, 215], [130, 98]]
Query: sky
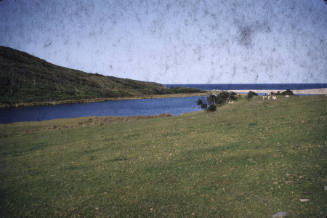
[[175, 41]]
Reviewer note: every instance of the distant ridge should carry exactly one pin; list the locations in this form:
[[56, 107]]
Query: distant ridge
[[27, 79]]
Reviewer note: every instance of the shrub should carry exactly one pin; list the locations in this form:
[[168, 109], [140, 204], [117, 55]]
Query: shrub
[[199, 102], [287, 92], [211, 99], [204, 106], [251, 94], [212, 107], [221, 98], [233, 96]]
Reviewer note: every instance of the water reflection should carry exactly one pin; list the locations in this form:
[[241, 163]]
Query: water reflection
[[174, 106]]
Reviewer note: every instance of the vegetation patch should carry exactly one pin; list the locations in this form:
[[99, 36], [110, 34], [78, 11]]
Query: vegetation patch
[[212, 107], [251, 94], [215, 99]]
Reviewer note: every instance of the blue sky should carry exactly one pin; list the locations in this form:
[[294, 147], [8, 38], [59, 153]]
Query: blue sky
[[175, 41]]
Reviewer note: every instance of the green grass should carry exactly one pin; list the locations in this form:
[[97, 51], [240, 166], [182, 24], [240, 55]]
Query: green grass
[[247, 159]]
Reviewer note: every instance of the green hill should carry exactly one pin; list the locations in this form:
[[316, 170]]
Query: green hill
[[27, 79]]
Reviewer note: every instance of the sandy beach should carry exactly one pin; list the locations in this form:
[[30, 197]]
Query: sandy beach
[[322, 91]]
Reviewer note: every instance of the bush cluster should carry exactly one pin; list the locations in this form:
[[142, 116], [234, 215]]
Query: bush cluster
[[216, 100], [201, 103], [251, 94], [212, 107], [286, 92], [221, 98]]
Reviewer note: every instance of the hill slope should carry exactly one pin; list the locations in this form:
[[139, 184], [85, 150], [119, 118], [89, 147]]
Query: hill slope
[[25, 78]]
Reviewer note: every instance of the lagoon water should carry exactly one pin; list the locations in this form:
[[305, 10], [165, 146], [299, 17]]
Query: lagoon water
[[174, 106], [140, 107]]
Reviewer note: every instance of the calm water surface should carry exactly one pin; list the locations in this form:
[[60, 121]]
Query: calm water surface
[[174, 106]]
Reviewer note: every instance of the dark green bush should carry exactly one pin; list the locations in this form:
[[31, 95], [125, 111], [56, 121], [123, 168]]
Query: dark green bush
[[212, 107], [221, 98], [251, 94], [201, 103], [233, 96], [211, 99], [204, 106], [287, 92]]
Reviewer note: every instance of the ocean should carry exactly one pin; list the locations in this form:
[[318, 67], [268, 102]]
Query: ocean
[[258, 86]]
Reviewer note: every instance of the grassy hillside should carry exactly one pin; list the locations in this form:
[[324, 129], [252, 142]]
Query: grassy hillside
[[25, 78], [247, 159]]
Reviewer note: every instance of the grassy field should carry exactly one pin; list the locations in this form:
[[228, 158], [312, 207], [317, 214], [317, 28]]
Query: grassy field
[[247, 159]]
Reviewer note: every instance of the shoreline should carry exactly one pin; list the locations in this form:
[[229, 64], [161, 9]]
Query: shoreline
[[80, 101], [320, 91]]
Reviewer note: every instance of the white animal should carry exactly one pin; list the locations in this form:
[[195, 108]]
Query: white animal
[[287, 96], [274, 97]]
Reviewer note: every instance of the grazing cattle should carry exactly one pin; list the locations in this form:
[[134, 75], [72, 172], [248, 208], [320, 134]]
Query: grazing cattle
[[287, 96], [274, 97]]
